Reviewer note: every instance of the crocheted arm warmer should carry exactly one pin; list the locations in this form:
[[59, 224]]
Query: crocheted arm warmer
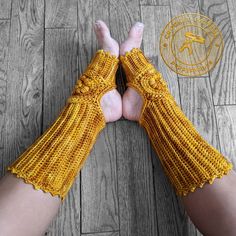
[[52, 162], [188, 160]]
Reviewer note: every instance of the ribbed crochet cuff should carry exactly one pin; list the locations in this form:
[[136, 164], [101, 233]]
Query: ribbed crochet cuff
[[103, 65], [52, 162], [188, 160], [134, 63]]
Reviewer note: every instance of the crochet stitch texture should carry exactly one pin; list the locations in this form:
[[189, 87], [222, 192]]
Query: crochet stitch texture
[[188, 160], [52, 162]]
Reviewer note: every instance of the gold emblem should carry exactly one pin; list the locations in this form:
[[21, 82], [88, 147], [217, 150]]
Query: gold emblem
[[191, 44]]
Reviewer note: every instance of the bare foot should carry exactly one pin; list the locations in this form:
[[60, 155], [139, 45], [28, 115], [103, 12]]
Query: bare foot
[[111, 102], [132, 102]]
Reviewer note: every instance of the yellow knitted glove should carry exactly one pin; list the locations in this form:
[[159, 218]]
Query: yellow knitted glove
[[52, 162], [188, 160]]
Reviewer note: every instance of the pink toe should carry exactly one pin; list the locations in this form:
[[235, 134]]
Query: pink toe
[[101, 27], [136, 30]]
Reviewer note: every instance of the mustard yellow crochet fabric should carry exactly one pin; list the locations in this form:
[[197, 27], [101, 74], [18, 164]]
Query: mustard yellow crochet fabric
[[52, 162], [188, 160]]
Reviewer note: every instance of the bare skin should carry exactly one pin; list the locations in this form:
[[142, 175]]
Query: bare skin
[[28, 212], [212, 208], [111, 102]]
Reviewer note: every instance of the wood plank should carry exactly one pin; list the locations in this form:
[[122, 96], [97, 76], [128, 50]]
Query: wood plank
[[103, 234], [123, 14], [99, 186], [183, 6], [99, 179], [171, 218], [226, 120], [135, 181], [4, 43], [223, 76], [60, 13], [24, 79], [198, 106], [60, 71], [5, 9], [85, 34], [60, 76], [151, 37], [155, 2], [232, 12]]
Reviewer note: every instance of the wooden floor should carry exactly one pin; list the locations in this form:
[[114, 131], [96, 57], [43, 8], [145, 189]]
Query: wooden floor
[[46, 45]]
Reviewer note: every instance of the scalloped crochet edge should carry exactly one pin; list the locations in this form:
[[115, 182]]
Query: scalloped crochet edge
[[208, 181], [129, 53], [20, 175], [107, 54]]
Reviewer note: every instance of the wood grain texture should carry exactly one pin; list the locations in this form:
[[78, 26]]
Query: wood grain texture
[[4, 43], [60, 13], [226, 119], [103, 234], [24, 79], [151, 38], [99, 186], [60, 75], [135, 181], [123, 14], [85, 34], [99, 180], [232, 12], [198, 106], [223, 76], [183, 6], [155, 2], [5, 9], [60, 71]]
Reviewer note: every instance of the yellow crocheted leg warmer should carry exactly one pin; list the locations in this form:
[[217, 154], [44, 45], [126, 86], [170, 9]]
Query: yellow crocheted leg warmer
[[188, 160], [52, 162]]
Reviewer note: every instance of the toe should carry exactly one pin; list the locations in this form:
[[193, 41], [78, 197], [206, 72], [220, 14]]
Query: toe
[[134, 39], [105, 41], [136, 32], [101, 29]]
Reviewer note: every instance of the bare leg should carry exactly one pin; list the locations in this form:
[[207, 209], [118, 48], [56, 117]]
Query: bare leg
[[26, 211], [212, 208]]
